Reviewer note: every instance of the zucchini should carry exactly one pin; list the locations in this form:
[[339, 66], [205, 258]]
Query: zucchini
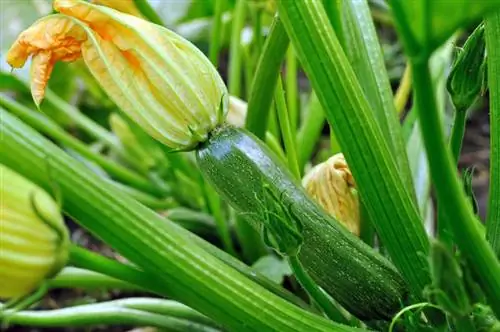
[[360, 279]]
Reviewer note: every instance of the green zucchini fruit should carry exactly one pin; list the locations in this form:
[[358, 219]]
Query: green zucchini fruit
[[360, 279]]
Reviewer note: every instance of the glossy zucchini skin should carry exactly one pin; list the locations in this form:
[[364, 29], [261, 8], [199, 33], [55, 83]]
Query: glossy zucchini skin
[[360, 279]]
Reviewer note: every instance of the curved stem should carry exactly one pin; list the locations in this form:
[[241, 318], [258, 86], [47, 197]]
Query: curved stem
[[317, 295], [453, 201], [88, 315], [47, 126], [403, 92]]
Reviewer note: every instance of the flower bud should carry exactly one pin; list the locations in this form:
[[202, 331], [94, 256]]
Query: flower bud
[[466, 78], [33, 238], [160, 80], [331, 184]]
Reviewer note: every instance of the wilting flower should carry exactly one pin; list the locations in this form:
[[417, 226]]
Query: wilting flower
[[125, 6], [160, 80], [34, 241], [331, 184]]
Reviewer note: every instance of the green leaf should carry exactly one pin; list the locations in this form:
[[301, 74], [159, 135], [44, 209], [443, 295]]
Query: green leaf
[[273, 268], [426, 24]]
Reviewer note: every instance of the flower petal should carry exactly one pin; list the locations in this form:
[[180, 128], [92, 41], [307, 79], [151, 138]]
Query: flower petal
[[50, 39]]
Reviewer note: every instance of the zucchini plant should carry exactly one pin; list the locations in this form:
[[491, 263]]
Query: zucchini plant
[[213, 218]]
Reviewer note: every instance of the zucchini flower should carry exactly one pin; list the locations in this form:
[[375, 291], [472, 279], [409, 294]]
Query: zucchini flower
[[332, 185], [34, 240], [160, 80]]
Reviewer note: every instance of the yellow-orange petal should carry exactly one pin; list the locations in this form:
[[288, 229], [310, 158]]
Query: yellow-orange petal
[[125, 6], [41, 68], [50, 39]]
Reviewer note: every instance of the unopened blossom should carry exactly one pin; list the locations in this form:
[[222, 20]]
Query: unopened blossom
[[33, 238], [160, 80], [332, 185]]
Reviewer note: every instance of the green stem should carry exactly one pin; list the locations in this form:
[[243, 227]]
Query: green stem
[[73, 277], [184, 270], [239, 16], [215, 36], [286, 131], [48, 127], [148, 12], [449, 191], [318, 295], [265, 78], [310, 130], [85, 259], [457, 133], [97, 314], [492, 30], [292, 93], [456, 137]]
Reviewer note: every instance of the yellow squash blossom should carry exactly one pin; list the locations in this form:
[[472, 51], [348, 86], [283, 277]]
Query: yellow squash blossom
[[160, 80], [332, 185], [33, 238]]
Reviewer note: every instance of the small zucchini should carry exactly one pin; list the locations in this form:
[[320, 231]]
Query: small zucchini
[[360, 279]]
